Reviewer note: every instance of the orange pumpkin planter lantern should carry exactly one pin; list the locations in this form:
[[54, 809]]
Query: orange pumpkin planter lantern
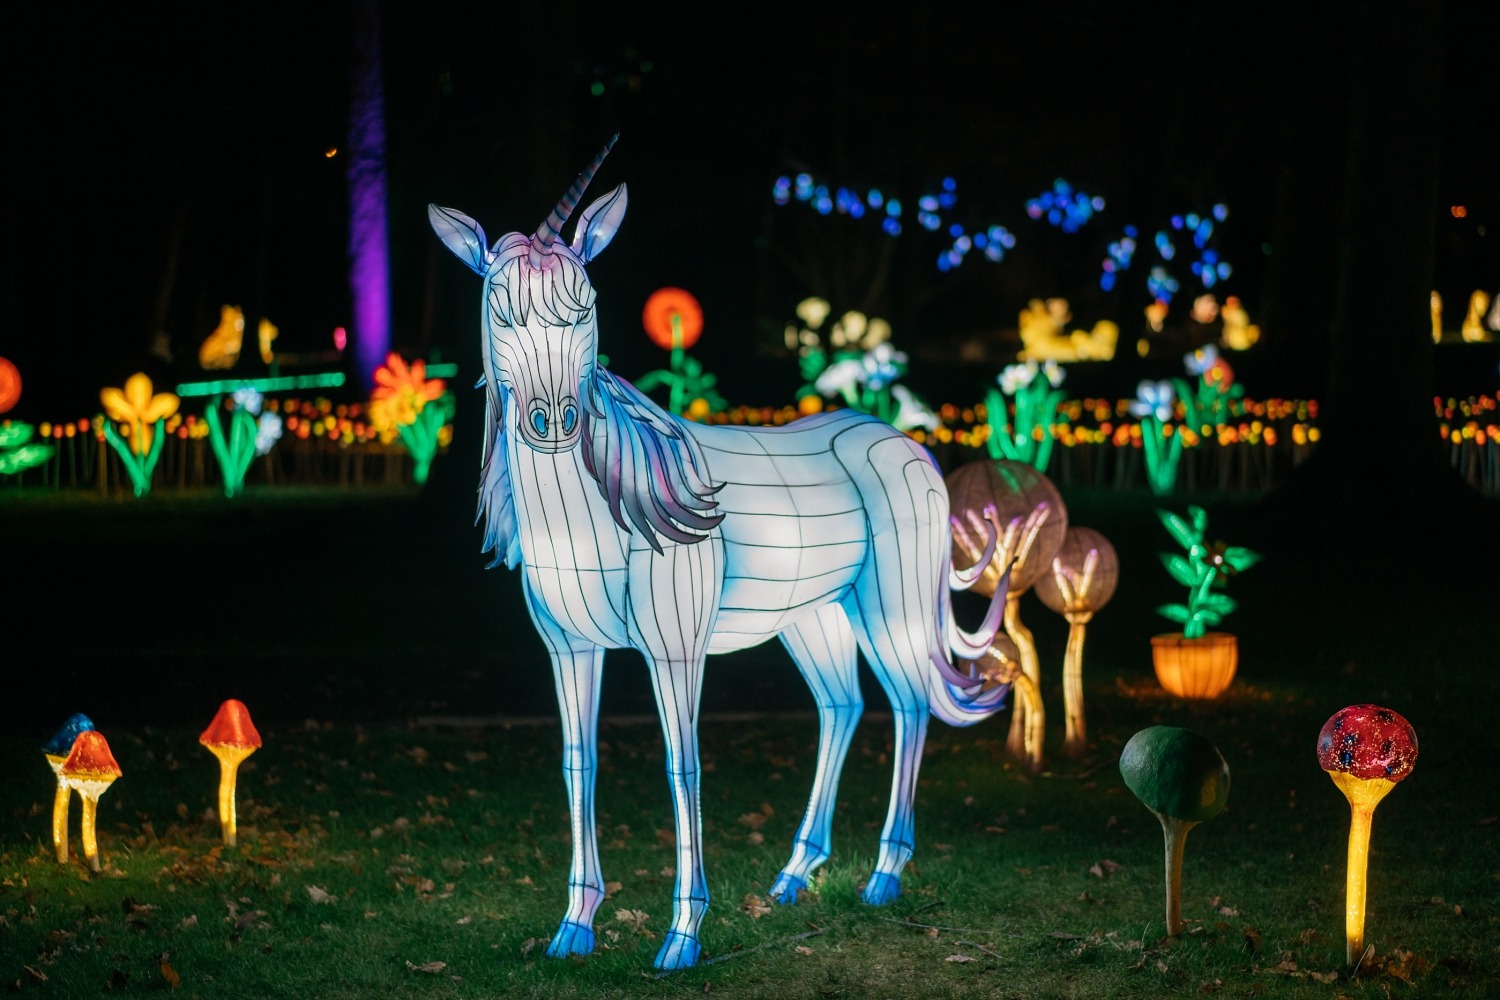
[[1196, 663]]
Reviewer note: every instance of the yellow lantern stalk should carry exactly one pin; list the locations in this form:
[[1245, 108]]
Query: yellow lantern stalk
[[60, 801], [1366, 750], [229, 764], [1364, 794]]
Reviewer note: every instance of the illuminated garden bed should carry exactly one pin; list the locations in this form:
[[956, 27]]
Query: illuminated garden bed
[[1097, 443]]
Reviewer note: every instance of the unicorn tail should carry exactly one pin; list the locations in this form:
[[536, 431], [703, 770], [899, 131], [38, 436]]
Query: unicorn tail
[[960, 697]]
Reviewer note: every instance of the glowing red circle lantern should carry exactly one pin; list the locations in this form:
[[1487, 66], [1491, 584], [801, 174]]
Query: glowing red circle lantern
[[668, 308], [10, 385]]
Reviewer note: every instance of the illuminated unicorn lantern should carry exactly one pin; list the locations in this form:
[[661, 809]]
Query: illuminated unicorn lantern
[[637, 529]]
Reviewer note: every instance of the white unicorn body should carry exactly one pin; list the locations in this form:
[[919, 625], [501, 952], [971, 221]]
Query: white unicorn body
[[635, 528]]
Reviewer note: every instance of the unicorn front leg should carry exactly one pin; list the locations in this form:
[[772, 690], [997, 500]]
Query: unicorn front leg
[[676, 683], [576, 668], [824, 650]]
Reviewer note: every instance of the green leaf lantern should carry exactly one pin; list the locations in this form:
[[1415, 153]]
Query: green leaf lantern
[[1184, 780]]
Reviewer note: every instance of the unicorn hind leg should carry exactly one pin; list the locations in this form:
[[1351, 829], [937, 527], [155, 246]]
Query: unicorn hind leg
[[824, 649], [896, 651]]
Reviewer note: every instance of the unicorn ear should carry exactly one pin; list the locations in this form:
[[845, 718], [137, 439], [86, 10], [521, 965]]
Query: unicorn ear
[[598, 224], [463, 236]]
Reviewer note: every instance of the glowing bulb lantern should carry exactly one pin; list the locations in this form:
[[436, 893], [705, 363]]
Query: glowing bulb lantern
[[10, 385], [672, 318], [89, 770], [56, 750], [1365, 749], [1034, 520], [231, 737], [1183, 779], [1083, 577]]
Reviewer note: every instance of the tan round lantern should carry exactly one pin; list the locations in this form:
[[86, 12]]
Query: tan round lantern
[[1084, 574], [1033, 520]]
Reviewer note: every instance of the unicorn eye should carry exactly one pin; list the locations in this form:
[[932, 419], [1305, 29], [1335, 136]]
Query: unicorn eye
[[570, 418], [539, 422]]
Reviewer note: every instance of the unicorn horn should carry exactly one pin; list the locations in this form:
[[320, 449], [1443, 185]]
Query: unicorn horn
[[551, 227]]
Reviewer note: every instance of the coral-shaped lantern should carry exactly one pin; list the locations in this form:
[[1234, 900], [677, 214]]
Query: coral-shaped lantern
[[1365, 749], [231, 737], [1083, 577]]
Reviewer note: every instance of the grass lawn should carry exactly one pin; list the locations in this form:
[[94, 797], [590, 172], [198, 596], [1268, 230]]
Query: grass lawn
[[403, 830]]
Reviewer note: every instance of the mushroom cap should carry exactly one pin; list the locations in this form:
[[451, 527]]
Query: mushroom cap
[[1368, 741], [62, 740], [231, 727], [90, 759], [1176, 773]]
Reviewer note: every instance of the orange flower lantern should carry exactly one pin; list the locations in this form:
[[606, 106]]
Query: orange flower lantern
[[672, 318], [10, 385]]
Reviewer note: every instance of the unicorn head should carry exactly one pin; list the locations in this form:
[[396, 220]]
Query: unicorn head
[[541, 339]]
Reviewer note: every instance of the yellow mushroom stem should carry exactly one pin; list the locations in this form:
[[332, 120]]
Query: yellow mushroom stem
[[230, 758], [1021, 723], [1075, 734], [1364, 794], [89, 787], [1174, 834], [60, 799]]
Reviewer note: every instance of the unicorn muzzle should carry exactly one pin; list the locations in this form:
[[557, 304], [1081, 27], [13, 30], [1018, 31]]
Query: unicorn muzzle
[[551, 425]]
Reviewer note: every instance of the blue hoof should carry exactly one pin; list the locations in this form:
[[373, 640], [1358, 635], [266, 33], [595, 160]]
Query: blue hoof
[[571, 939], [678, 951], [881, 889], [786, 888]]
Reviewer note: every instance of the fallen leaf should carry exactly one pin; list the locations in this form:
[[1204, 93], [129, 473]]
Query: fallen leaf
[[1228, 911], [1252, 939], [464, 920], [431, 968], [530, 943], [1064, 936], [755, 838], [35, 973], [610, 888], [755, 905], [189, 922], [801, 949], [958, 958], [170, 975], [636, 919], [320, 895], [753, 820]]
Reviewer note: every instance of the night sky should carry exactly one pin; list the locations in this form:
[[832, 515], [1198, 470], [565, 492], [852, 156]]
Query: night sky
[[159, 169]]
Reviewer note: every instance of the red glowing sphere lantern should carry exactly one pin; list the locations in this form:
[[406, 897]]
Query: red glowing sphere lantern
[[672, 318], [10, 385]]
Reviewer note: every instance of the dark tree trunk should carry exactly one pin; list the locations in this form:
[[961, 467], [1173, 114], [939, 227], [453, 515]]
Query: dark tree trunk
[[1379, 473]]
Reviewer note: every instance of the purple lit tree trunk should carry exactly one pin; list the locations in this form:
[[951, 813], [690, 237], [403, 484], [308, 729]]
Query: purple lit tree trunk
[[369, 243]]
